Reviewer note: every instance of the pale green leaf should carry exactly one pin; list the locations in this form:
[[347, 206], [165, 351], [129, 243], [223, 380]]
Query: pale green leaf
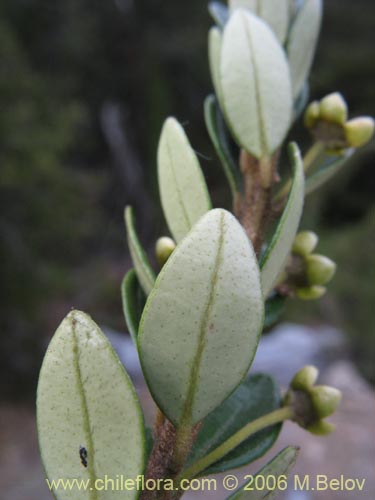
[[215, 40], [276, 471], [86, 403], [325, 172], [274, 259], [255, 83], [200, 327], [274, 12], [145, 273], [302, 42], [183, 190]]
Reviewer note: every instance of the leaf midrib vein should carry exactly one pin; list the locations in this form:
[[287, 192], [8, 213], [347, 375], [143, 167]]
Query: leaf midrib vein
[[180, 197], [258, 99], [197, 359], [85, 413]]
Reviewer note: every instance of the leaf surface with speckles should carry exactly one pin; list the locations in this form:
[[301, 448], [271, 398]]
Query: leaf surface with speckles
[[200, 327], [89, 419], [183, 191], [255, 84]]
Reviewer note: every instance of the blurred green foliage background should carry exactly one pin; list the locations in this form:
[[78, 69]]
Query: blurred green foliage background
[[84, 89]]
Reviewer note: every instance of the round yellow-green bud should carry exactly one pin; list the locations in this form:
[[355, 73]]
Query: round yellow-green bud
[[325, 400], [321, 428], [304, 243], [311, 292], [312, 114], [359, 131], [305, 378], [319, 269], [334, 109], [163, 249]]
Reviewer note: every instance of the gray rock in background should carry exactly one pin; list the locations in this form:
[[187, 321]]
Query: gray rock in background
[[349, 451]]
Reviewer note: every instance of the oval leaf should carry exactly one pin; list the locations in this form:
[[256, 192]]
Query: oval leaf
[[200, 327], [89, 419], [255, 83], [145, 273], [274, 12], [273, 261], [183, 190], [133, 302], [302, 42], [255, 397], [326, 171], [216, 129], [280, 465]]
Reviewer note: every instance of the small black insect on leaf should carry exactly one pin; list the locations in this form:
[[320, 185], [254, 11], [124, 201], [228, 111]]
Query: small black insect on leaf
[[83, 455]]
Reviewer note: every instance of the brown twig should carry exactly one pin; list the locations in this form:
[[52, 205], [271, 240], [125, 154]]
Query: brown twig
[[253, 207], [166, 459]]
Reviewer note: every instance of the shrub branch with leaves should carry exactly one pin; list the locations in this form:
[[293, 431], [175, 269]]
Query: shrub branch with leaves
[[197, 322]]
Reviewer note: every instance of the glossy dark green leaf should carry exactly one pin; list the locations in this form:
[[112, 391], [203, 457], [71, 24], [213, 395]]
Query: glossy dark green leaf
[[274, 308], [278, 467], [145, 273], [133, 302], [327, 170], [255, 397], [217, 131], [219, 13], [149, 441]]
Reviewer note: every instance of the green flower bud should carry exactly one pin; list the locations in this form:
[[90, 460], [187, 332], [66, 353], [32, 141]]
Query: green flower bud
[[333, 108], [325, 400], [319, 269], [310, 292], [312, 114], [321, 428], [304, 243], [305, 378], [163, 249], [359, 131]]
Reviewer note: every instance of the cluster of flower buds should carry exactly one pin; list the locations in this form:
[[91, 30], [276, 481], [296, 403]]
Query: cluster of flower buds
[[163, 249], [312, 403], [306, 272], [328, 122]]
